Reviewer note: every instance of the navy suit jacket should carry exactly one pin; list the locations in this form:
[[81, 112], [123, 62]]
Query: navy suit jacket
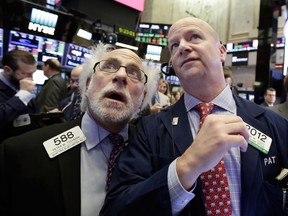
[[139, 182], [10, 108]]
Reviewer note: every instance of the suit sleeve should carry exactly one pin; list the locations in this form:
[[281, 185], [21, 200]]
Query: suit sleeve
[[139, 181], [10, 110]]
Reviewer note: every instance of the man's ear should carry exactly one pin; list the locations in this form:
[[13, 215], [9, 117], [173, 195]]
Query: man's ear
[[88, 82], [223, 53], [7, 70]]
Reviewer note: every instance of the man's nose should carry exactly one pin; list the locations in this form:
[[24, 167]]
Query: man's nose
[[184, 46], [121, 74]]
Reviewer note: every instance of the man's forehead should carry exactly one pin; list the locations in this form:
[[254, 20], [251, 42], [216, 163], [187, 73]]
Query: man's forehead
[[123, 54], [192, 23]]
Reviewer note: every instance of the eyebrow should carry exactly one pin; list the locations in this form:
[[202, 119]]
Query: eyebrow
[[117, 60]]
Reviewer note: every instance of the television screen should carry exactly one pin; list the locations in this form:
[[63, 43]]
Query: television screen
[[153, 52], [24, 41], [40, 47], [76, 55], [152, 33], [1, 42], [50, 48]]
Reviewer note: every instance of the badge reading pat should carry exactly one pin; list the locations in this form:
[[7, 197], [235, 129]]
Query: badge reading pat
[[64, 141], [259, 140]]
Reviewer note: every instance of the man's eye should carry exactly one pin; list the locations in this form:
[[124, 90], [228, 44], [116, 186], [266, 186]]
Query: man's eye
[[109, 65], [195, 37], [173, 46]]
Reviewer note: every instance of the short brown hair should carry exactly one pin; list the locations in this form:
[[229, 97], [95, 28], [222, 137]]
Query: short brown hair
[[12, 58]]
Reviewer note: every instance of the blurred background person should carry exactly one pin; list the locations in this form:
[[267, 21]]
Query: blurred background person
[[16, 93], [160, 100], [54, 89], [282, 109], [176, 95], [70, 106], [269, 97], [164, 88], [228, 79]]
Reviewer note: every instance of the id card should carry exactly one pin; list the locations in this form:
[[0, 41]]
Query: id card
[[259, 140], [64, 141]]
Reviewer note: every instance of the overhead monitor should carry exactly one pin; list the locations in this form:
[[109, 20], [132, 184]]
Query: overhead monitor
[[76, 55], [51, 48], [41, 48], [153, 52], [152, 33], [23, 41]]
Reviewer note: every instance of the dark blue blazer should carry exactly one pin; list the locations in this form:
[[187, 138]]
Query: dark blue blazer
[[139, 183]]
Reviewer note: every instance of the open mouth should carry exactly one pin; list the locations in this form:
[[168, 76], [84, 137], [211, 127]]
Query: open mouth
[[116, 96]]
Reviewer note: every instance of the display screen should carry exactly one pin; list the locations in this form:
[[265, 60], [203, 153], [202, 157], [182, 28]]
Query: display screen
[[76, 55], [24, 41], [50, 48], [153, 52], [152, 33], [1, 42], [240, 58], [40, 47]]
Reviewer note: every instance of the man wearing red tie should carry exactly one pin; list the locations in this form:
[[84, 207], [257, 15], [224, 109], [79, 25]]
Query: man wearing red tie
[[174, 167]]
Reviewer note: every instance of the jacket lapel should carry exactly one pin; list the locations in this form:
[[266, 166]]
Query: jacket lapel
[[69, 165], [176, 121]]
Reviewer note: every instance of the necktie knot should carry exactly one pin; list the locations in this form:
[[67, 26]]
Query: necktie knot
[[116, 139], [204, 110]]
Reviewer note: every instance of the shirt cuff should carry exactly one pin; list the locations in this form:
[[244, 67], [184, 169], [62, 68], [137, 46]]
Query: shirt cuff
[[179, 197], [24, 96]]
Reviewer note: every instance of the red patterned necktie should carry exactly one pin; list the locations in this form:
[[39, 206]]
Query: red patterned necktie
[[117, 141], [214, 182]]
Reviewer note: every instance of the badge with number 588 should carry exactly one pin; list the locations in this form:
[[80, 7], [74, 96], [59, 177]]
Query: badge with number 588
[[64, 141]]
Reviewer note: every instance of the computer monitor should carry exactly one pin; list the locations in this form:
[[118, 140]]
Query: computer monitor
[[76, 55], [41, 48], [23, 41], [51, 48], [153, 52]]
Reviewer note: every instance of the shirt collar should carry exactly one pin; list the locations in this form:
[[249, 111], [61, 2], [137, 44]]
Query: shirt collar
[[224, 100], [95, 134]]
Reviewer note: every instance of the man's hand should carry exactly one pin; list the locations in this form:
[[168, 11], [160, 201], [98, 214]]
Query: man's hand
[[27, 84], [218, 134]]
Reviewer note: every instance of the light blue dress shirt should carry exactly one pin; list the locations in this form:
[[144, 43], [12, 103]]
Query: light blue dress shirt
[[179, 197], [94, 155]]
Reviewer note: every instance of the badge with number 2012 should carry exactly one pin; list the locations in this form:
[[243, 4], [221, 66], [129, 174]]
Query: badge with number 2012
[[259, 140]]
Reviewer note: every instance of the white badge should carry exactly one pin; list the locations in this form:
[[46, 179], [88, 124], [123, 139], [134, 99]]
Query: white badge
[[259, 140], [22, 120], [64, 141], [175, 121]]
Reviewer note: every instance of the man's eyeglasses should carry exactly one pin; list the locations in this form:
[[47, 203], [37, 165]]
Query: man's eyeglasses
[[132, 72], [74, 81]]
